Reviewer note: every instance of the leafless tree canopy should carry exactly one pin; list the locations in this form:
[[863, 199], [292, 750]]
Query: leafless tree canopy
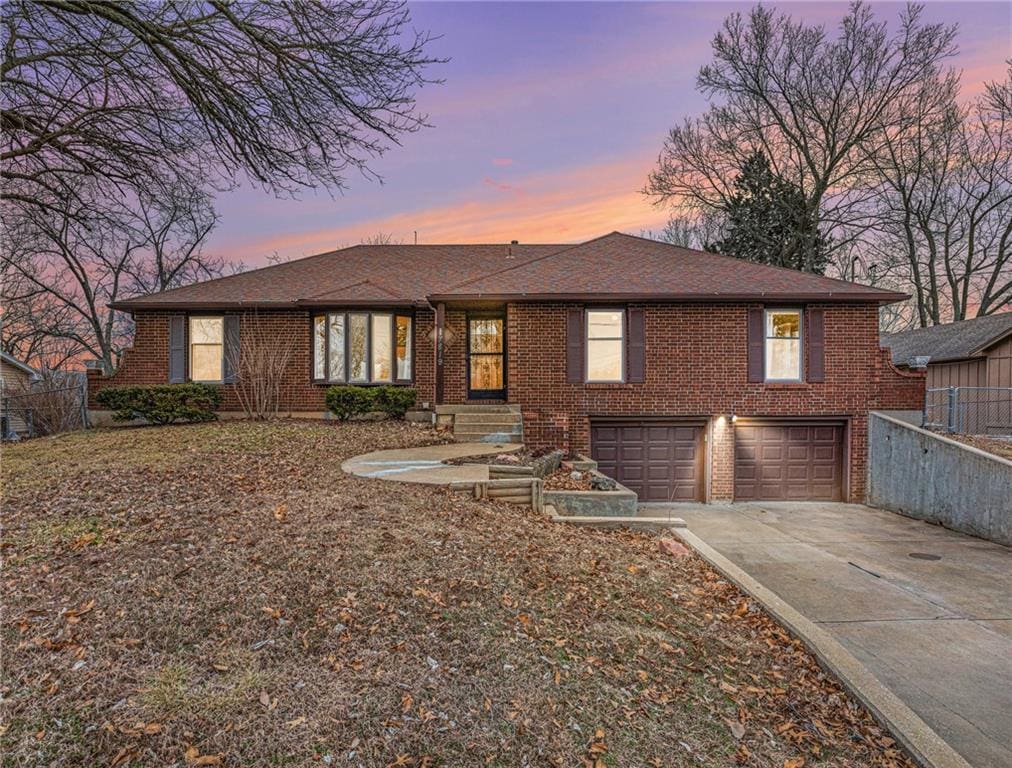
[[907, 183], [290, 94], [62, 266]]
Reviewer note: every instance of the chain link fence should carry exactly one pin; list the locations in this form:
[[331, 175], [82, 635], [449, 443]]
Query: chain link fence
[[969, 410], [45, 411]]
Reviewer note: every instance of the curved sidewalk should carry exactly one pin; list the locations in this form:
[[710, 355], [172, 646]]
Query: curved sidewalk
[[425, 464]]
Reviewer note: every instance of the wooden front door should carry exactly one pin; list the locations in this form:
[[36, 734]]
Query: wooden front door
[[486, 357]]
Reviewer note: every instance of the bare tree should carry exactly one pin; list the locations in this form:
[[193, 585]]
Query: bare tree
[[944, 214], [382, 238], [691, 230], [64, 266], [175, 228], [260, 363], [139, 93], [815, 105]]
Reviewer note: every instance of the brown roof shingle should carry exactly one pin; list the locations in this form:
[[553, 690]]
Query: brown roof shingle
[[622, 266], [612, 267]]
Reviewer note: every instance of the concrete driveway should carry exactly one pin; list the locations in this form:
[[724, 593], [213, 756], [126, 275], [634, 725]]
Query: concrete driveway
[[928, 611]]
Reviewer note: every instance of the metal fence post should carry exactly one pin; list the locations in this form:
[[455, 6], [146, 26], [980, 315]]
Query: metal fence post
[[951, 419]]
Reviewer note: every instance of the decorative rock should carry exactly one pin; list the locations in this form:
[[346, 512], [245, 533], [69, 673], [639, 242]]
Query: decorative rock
[[602, 483], [506, 458], [576, 475], [674, 548]]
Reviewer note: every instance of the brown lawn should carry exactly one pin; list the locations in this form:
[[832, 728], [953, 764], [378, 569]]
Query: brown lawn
[[223, 594]]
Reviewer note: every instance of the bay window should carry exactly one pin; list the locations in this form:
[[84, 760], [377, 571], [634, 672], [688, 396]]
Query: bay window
[[783, 345], [362, 348], [207, 343], [605, 345]]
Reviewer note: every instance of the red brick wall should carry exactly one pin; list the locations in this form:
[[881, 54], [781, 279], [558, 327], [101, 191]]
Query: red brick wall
[[148, 361], [696, 366]]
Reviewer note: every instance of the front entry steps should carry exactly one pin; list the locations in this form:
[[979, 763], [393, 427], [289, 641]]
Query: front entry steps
[[482, 423]]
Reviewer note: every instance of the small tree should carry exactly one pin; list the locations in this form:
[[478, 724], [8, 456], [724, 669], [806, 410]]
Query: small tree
[[769, 221], [260, 363]]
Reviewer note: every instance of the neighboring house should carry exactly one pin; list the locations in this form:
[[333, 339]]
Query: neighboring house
[[16, 379], [973, 355], [687, 375]]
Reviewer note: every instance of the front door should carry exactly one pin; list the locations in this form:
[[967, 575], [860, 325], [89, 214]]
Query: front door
[[486, 357]]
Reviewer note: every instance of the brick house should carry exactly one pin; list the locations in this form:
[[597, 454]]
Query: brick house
[[687, 375]]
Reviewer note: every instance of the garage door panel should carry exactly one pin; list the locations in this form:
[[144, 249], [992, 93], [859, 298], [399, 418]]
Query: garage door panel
[[795, 462], [659, 461]]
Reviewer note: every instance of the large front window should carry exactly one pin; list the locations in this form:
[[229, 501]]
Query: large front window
[[207, 336], [605, 345], [783, 345], [362, 347]]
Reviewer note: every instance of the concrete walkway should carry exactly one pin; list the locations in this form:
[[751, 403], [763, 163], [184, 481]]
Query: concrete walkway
[[928, 611], [425, 464]]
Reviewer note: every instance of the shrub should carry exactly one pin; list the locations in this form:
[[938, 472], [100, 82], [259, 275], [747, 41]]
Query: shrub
[[395, 401], [344, 401], [162, 403]]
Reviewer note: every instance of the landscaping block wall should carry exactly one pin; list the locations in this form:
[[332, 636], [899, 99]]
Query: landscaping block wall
[[930, 477]]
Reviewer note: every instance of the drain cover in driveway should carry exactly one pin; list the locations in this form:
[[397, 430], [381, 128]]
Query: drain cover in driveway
[[924, 556]]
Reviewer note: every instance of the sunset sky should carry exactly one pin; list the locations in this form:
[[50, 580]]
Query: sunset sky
[[549, 119]]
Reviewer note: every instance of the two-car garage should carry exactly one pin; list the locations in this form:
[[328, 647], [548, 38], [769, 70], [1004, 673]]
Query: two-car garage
[[665, 460]]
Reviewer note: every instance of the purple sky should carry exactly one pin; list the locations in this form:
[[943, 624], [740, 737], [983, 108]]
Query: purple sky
[[549, 119]]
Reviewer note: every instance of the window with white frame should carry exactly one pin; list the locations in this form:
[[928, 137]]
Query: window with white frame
[[207, 343], [362, 347], [783, 345], [605, 345]]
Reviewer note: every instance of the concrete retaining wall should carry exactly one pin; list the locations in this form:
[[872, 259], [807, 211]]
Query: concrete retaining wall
[[930, 477]]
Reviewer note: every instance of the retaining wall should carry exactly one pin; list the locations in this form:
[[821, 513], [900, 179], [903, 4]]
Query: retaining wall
[[930, 477]]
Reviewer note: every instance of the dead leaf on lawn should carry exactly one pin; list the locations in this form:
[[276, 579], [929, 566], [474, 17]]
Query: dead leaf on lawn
[[737, 729]]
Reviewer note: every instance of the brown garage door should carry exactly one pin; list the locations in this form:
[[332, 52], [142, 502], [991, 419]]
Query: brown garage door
[[789, 462], [660, 461]]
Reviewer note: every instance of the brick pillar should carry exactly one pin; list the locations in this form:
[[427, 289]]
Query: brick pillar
[[721, 458]]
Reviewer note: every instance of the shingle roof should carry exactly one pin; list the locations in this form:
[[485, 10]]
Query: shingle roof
[[612, 267], [952, 341], [391, 274], [622, 266]]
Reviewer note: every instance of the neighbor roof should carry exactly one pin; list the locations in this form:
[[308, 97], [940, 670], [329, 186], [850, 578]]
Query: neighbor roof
[[952, 341], [10, 360], [612, 267]]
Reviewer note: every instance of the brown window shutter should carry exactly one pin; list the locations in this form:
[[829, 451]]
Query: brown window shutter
[[756, 345], [230, 363], [637, 346], [177, 349], [574, 345], [816, 347]]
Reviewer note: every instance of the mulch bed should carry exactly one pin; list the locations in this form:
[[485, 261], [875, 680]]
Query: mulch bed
[[563, 480], [995, 445], [223, 594]]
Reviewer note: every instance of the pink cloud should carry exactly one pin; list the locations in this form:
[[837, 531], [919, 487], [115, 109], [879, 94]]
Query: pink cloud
[[490, 182], [564, 206], [502, 161]]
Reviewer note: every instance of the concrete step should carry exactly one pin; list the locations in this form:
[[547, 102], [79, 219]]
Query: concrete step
[[487, 418], [492, 437], [490, 408], [478, 432]]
